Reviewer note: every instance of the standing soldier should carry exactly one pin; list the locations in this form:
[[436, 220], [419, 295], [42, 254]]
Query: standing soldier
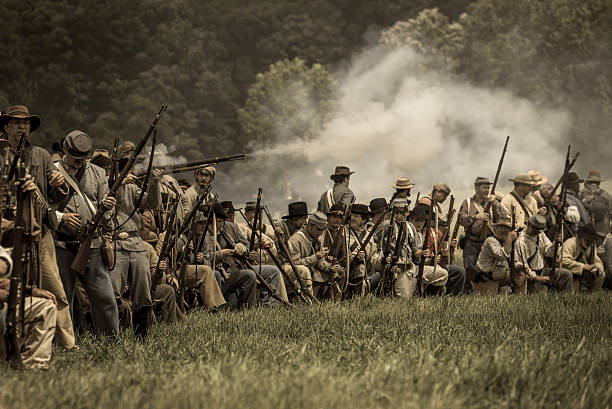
[[340, 192], [475, 218], [519, 202], [402, 188], [131, 253], [203, 178], [440, 193], [597, 201], [88, 193], [18, 121], [581, 258]]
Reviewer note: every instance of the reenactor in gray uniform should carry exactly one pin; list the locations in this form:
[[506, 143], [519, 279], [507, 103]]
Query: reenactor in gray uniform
[[581, 258], [597, 201], [340, 192], [365, 265]]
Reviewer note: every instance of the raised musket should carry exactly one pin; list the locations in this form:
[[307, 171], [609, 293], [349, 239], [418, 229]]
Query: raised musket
[[198, 164], [255, 219], [80, 260], [333, 288], [164, 250]]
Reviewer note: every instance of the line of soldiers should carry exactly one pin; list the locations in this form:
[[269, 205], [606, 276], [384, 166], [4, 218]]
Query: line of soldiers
[[163, 248]]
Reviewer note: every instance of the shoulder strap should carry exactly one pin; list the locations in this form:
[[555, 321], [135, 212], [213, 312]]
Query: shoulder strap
[[520, 202], [75, 186], [330, 197]]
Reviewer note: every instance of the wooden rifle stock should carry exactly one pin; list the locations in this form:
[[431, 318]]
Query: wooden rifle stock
[[17, 157], [255, 219], [80, 260], [164, 250]]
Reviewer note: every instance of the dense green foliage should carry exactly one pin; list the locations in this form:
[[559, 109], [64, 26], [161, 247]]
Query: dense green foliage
[[542, 351]]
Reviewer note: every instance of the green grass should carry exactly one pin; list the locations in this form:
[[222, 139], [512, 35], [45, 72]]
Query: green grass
[[505, 352]]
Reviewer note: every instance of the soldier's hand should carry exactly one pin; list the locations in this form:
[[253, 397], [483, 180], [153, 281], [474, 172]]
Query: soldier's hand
[[586, 268], [279, 231], [109, 203], [199, 258], [227, 252], [72, 220], [360, 255], [388, 259], [482, 216], [162, 266], [453, 243], [240, 249], [559, 238], [107, 236], [130, 178], [26, 184], [511, 236], [254, 255], [56, 179], [40, 293], [156, 175], [542, 210], [191, 246], [321, 254], [337, 269]]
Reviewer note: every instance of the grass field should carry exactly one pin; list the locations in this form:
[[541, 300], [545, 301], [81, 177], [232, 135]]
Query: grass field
[[505, 352]]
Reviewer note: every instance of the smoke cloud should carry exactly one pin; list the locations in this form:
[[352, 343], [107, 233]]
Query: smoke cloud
[[397, 118]]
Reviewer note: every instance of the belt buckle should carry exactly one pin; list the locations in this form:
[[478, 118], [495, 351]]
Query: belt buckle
[[123, 235]]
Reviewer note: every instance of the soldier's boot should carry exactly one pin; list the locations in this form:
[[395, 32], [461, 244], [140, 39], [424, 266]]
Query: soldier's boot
[[141, 321]]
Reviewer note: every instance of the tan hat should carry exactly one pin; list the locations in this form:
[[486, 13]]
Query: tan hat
[[20, 112], [403, 183], [499, 195], [211, 169], [442, 187], [523, 178], [537, 178], [594, 176]]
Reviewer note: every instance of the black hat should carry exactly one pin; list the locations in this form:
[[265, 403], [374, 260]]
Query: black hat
[[250, 205], [361, 209], [341, 171], [219, 211], [588, 231], [378, 205], [101, 160], [297, 209], [228, 206], [336, 209], [78, 145], [420, 212], [573, 178]]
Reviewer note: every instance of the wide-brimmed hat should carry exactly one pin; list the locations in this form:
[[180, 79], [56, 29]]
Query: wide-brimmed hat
[[361, 209], [588, 231], [442, 187], [573, 178], [523, 178], [537, 221], [296, 209], [78, 145], [400, 202], [403, 183], [101, 158], [504, 221], [481, 180], [20, 112], [378, 205], [337, 209], [219, 211], [250, 205], [210, 169], [318, 219], [594, 176], [341, 171], [228, 205], [537, 178]]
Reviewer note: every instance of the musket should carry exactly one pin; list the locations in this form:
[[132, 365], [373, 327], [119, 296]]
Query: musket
[[114, 162], [512, 251], [560, 217], [489, 203], [449, 219], [420, 286], [255, 219], [366, 241], [275, 260], [80, 260], [283, 245], [386, 253], [198, 164], [247, 264], [17, 157], [451, 249], [164, 250], [561, 179], [336, 252]]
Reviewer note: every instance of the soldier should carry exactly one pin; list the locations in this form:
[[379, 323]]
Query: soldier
[[580, 257], [329, 238], [532, 248], [365, 265], [494, 259], [15, 122], [570, 213], [307, 250], [229, 209], [573, 191], [203, 178], [402, 188], [88, 192], [102, 159], [39, 315], [519, 202], [597, 201], [131, 253], [605, 253], [294, 220], [340, 192], [198, 274], [228, 252], [538, 180], [378, 209], [164, 299], [475, 218], [405, 271], [126, 149], [440, 193]]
